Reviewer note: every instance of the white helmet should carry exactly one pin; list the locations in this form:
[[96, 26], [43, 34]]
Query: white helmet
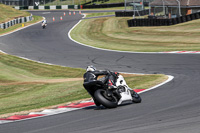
[[90, 68]]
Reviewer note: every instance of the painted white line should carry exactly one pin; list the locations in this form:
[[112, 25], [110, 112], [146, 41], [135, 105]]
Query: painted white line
[[54, 111], [46, 12], [59, 110], [2, 52], [4, 121], [183, 52], [36, 61], [91, 100]]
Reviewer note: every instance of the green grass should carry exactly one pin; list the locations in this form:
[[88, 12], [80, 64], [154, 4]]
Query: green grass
[[33, 69], [144, 81], [26, 97], [8, 13], [99, 14], [114, 33], [26, 85]]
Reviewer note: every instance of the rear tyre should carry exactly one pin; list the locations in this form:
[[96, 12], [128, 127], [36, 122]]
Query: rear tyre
[[107, 101]]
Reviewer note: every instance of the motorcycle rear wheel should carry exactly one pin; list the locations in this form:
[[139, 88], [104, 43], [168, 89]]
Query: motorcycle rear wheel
[[107, 101]]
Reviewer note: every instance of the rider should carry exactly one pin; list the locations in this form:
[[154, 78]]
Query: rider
[[90, 78], [44, 22]]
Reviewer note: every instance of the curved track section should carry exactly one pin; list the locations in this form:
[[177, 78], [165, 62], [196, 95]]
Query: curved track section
[[172, 108]]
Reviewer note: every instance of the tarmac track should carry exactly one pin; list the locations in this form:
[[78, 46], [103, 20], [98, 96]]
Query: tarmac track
[[172, 108]]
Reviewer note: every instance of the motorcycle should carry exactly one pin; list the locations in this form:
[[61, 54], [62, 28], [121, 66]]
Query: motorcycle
[[44, 25], [111, 98]]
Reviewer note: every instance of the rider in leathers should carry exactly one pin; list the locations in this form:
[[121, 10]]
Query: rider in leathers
[[44, 22], [90, 79]]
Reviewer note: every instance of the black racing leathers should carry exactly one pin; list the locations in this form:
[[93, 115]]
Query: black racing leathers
[[93, 75], [90, 81]]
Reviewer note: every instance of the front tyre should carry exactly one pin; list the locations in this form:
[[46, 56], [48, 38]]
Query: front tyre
[[136, 97], [107, 101]]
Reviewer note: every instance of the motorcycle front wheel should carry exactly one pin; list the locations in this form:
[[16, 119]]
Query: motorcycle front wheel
[[136, 97], [107, 101]]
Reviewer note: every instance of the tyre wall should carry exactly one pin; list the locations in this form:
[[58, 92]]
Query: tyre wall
[[162, 22]]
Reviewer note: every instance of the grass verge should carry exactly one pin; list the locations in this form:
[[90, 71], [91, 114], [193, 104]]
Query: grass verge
[[17, 26], [88, 15], [114, 33], [27, 85], [8, 13]]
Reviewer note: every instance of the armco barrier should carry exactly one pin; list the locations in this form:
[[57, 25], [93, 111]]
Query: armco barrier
[[71, 6], [15, 21], [53, 7], [46, 7], [58, 7], [162, 22], [23, 8], [64, 6], [36, 7], [30, 7], [41, 7]]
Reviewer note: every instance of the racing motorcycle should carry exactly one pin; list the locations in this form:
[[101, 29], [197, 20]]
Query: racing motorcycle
[[44, 25], [111, 98]]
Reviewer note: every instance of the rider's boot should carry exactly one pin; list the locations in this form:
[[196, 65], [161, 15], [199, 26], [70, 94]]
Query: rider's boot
[[133, 93], [96, 102]]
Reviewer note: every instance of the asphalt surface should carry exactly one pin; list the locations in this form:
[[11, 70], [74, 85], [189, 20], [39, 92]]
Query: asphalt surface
[[171, 108]]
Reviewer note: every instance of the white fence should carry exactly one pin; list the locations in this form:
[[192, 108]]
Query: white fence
[[53, 7]]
